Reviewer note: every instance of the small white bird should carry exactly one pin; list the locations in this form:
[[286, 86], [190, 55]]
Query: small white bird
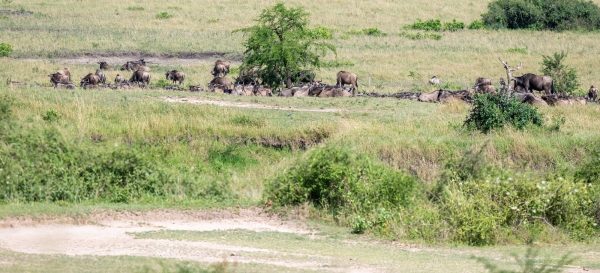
[[434, 80]]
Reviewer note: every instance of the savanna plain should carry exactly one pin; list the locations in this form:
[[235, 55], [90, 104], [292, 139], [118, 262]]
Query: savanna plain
[[151, 180]]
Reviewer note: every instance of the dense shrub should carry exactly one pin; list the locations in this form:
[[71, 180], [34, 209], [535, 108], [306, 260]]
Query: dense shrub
[[477, 24], [548, 14], [493, 111], [429, 25], [565, 78], [454, 25], [5, 49], [321, 32], [343, 183]]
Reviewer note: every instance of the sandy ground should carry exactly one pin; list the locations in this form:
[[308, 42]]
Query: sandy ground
[[245, 105], [110, 233]]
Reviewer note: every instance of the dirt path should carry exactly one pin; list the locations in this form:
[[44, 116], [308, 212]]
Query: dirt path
[[111, 234], [245, 105]]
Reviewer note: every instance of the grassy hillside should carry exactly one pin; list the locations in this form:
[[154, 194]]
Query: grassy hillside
[[64, 28]]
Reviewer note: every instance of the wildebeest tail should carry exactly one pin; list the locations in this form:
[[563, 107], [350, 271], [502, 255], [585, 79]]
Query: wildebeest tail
[[552, 87]]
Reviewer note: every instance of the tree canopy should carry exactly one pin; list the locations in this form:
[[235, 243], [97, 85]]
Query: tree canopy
[[281, 44]]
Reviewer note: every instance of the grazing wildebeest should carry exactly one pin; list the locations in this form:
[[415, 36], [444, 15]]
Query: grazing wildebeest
[[101, 75], [104, 65], [175, 76], [140, 77], [57, 78], [220, 69], [90, 79], [119, 79], [304, 76], [248, 75], [344, 78], [529, 82], [593, 93], [221, 81], [434, 80]]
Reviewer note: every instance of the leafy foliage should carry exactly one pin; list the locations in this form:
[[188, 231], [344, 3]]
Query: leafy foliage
[[281, 44], [565, 78], [454, 25], [321, 32], [491, 112], [589, 172], [429, 25], [343, 183], [538, 15], [5, 49], [477, 24]]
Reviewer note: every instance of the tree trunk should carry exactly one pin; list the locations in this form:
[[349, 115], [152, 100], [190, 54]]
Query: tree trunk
[[288, 77]]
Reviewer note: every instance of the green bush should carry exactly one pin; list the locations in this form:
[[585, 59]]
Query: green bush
[[5, 49], [162, 83], [429, 25], [589, 171], [492, 112], [477, 24], [538, 15], [565, 78], [453, 26], [367, 31], [341, 182], [321, 32], [164, 15]]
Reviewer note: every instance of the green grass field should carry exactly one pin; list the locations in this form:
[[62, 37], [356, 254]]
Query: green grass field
[[73, 152]]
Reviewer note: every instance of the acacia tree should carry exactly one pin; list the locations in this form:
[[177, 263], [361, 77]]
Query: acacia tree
[[281, 44]]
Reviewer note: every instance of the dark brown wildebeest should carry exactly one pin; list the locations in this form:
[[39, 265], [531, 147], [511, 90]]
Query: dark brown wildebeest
[[90, 79], [57, 78], [119, 79], [221, 81], [104, 65], [220, 69], [529, 82], [248, 75], [304, 76], [139, 76], [344, 78], [593, 93], [175, 76], [101, 75]]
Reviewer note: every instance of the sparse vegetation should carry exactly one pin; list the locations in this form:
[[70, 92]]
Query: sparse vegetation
[[419, 36], [135, 8], [522, 50], [164, 15]]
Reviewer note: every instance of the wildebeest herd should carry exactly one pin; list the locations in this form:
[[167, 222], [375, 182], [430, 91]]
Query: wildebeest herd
[[248, 84]]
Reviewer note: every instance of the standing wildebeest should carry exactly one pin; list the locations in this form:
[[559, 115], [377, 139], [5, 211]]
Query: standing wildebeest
[[593, 93], [221, 69], [57, 78], [304, 76], [530, 82], [104, 65], [221, 81], [344, 77], [434, 80], [90, 79], [140, 77], [175, 76], [101, 75], [119, 79]]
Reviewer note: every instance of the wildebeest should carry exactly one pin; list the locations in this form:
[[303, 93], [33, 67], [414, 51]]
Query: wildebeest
[[486, 89], [429, 97], [344, 77], [101, 75], [220, 69], [65, 86], [57, 78], [243, 90], [304, 76], [119, 79], [248, 75], [530, 99], [481, 83], [264, 91], [135, 65], [104, 65], [221, 81], [140, 77], [529, 82], [593, 93], [175, 76], [90, 79], [434, 80]]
